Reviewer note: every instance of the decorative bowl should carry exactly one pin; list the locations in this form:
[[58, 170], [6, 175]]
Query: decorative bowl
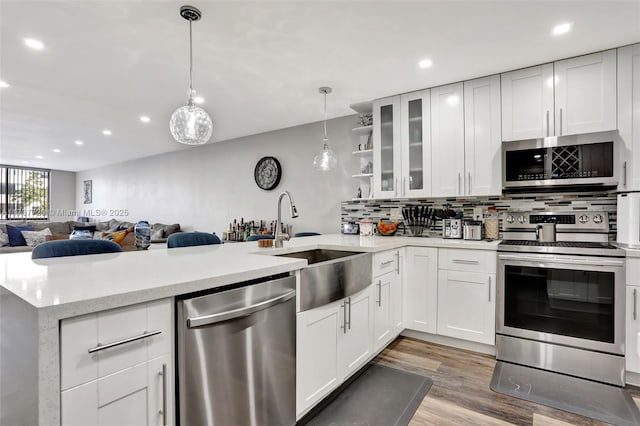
[[386, 228]]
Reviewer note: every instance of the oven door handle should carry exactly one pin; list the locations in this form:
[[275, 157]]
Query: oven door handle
[[562, 260]]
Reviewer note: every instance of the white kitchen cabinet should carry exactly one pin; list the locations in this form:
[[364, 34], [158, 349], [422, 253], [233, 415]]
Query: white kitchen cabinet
[[482, 137], [355, 348], [416, 144], [466, 294], [382, 311], [318, 372], [387, 162], [567, 97], [585, 93], [421, 289], [527, 103], [133, 396], [632, 355], [333, 341], [128, 383], [466, 305], [447, 140], [629, 116]]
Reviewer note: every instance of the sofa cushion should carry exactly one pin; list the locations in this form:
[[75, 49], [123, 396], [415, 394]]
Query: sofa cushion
[[15, 235], [4, 239], [54, 227], [33, 238], [54, 237], [3, 226], [171, 229], [102, 226], [18, 249]]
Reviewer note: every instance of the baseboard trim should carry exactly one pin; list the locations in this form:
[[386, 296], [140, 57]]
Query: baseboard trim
[[451, 341]]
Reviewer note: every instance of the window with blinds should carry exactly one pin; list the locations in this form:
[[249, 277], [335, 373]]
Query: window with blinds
[[24, 193]]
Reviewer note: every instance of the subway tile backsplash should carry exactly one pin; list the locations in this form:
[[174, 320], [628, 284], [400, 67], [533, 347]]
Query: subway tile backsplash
[[356, 210]]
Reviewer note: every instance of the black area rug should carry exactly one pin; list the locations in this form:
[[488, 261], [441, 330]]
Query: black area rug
[[380, 395]]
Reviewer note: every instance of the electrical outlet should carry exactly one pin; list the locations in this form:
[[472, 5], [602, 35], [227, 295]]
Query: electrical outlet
[[477, 213], [395, 213]]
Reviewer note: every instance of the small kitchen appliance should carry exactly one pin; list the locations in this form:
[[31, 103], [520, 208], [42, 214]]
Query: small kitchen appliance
[[451, 228], [472, 230]]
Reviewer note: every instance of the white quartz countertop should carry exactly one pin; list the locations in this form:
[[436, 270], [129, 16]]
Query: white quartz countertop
[[70, 286]]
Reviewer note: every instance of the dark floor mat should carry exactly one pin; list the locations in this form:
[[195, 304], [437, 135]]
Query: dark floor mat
[[380, 395], [608, 403]]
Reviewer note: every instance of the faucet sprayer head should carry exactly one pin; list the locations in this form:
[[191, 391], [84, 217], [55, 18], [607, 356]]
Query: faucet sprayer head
[[294, 211]]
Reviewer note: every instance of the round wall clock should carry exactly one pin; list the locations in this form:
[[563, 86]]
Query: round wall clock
[[267, 173]]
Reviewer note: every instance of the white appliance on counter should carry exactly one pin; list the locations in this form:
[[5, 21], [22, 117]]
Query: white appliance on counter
[[628, 219]]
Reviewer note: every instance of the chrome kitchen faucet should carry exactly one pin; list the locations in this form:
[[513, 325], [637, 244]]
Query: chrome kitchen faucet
[[280, 236]]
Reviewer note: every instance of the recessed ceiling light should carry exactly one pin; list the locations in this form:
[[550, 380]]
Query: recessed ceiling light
[[145, 119], [106, 132], [4, 84], [198, 100], [79, 143], [425, 63], [24, 162], [39, 157], [56, 150], [33, 43], [562, 28]]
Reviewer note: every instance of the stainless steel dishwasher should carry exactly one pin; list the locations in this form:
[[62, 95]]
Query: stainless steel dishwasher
[[237, 356]]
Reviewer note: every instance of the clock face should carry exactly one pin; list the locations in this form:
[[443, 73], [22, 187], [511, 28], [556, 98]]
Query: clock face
[[267, 173]]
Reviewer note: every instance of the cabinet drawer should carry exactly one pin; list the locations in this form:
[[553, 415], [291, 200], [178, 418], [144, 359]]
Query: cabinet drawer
[[633, 271], [78, 335], [384, 262], [467, 260]]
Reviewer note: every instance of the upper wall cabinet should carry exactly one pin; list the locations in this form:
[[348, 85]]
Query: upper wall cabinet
[[386, 147], [567, 97], [402, 146], [447, 140], [585, 94], [416, 143], [527, 103], [629, 116], [482, 143]]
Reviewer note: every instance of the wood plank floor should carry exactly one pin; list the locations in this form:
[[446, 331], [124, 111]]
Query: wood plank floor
[[460, 394]]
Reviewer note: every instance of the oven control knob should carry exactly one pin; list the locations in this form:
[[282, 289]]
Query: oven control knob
[[583, 218], [598, 218], [510, 219], [522, 219]]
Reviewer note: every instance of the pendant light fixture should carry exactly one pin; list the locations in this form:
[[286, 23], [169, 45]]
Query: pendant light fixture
[[190, 124], [326, 160]]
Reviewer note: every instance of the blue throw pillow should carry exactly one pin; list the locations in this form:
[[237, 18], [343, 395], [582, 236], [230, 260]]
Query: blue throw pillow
[[15, 235]]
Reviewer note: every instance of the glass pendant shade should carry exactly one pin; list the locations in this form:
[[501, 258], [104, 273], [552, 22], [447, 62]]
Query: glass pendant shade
[[191, 125], [326, 160]]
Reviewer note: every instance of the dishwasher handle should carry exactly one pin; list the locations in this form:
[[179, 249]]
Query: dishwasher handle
[[240, 312]]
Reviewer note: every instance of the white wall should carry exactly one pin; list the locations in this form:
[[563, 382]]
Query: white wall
[[62, 196], [205, 187]]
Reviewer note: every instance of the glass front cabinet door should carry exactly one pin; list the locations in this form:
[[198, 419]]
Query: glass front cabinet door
[[416, 144], [386, 147]]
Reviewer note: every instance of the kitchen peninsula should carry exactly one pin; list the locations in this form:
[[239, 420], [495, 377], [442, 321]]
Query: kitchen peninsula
[[38, 294]]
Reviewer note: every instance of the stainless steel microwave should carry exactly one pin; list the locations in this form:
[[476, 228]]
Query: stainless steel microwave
[[560, 161]]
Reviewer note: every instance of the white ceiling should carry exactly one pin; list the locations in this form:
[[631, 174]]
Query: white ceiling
[[258, 64]]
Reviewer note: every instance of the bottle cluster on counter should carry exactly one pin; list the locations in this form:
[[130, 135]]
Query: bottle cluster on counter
[[239, 230]]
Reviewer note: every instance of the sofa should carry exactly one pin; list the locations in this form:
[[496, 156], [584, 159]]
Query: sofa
[[62, 230]]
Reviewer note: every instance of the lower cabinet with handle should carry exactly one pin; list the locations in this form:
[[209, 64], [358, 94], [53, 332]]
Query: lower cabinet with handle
[[632, 355], [333, 341], [467, 294], [117, 367]]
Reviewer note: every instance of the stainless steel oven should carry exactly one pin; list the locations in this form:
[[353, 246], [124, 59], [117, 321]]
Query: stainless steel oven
[[561, 305]]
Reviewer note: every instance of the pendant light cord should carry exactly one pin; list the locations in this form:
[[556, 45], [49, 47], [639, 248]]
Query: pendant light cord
[[190, 63], [325, 120]]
